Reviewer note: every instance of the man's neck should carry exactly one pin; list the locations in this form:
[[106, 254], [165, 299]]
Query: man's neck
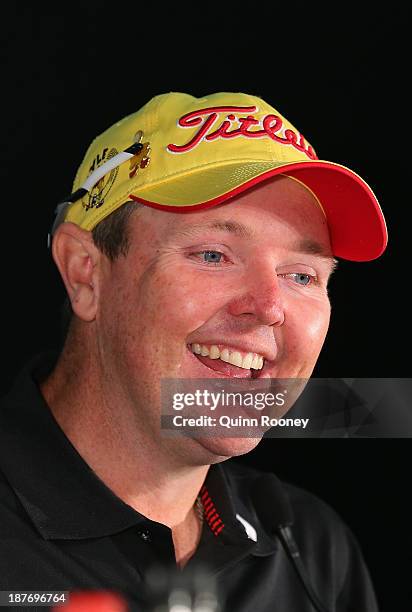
[[139, 470]]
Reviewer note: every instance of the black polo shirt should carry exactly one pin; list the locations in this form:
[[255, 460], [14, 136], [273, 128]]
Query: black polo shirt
[[63, 529]]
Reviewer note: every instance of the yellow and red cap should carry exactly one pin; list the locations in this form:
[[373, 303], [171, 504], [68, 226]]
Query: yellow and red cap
[[180, 153]]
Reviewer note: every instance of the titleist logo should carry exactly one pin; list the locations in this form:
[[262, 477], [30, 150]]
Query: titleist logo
[[209, 128]]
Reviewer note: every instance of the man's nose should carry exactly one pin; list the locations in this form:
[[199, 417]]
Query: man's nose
[[260, 298]]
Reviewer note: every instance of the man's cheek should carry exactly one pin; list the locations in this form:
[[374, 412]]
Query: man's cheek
[[307, 328], [315, 324], [318, 327], [188, 305]]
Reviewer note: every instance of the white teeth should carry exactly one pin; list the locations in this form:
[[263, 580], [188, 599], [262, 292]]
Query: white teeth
[[251, 360], [247, 361], [214, 352], [235, 359], [224, 355], [255, 362]]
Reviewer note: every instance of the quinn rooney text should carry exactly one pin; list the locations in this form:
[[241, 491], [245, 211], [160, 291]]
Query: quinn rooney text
[[229, 422]]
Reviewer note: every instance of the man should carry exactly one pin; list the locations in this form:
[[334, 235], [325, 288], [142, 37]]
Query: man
[[197, 244]]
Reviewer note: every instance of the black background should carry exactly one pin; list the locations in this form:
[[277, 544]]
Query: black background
[[341, 78]]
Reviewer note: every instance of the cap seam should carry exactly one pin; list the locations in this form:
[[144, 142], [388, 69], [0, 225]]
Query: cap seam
[[194, 169]]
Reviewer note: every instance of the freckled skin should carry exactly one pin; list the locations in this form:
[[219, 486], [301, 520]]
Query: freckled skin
[[157, 299]]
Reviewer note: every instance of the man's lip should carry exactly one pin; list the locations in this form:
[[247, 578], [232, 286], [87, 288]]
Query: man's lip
[[269, 355]]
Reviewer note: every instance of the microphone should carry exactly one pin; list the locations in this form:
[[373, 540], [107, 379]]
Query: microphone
[[193, 590], [167, 590], [275, 512]]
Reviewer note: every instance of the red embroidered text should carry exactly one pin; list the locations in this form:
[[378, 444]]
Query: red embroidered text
[[209, 129]]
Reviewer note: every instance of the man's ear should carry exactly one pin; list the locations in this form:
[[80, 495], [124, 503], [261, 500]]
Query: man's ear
[[78, 259]]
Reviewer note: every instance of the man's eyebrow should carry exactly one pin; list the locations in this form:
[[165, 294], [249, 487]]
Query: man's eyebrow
[[223, 225], [311, 247]]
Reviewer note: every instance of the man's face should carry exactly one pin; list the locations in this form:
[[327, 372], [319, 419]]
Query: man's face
[[250, 274]]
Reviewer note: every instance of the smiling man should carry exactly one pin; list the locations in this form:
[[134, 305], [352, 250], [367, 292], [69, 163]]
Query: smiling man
[[198, 243]]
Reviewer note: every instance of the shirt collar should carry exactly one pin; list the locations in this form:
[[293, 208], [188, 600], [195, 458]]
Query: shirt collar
[[228, 486], [64, 497]]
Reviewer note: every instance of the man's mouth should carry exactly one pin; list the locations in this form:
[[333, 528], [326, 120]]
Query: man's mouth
[[229, 362]]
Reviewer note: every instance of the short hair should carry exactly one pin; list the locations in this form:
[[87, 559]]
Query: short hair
[[111, 236]]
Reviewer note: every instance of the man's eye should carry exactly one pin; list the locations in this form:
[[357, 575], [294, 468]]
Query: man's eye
[[301, 279], [211, 256]]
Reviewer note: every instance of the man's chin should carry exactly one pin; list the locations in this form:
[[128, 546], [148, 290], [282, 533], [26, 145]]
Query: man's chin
[[225, 447]]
